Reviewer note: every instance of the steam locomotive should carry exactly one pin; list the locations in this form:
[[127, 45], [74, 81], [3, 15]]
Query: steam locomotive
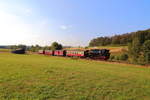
[[100, 54]]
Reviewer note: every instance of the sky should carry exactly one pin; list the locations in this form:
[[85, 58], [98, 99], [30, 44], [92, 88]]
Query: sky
[[69, 22]]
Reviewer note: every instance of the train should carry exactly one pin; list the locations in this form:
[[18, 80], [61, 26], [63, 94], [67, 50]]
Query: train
[[19, 51], [98, 54]]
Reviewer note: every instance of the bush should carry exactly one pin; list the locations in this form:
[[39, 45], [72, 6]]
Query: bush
[[112, 57], [124, 57], [147, 57], [117, 57], [141, 60]]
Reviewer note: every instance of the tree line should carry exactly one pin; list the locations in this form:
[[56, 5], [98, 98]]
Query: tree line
[[35, 48], [123, 39]]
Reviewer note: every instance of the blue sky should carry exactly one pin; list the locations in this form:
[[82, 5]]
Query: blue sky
[[70, 22]]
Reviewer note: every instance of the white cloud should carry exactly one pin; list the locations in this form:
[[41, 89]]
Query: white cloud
[[65, 27]]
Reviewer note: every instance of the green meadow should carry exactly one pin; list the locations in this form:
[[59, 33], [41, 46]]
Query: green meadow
[[38, 77], [5, 50]]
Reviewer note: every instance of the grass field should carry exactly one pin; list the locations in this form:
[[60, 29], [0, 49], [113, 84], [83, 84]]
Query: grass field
[[37, 77], [5, 50]]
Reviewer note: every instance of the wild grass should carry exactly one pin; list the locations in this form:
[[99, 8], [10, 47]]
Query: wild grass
[[38, 77]]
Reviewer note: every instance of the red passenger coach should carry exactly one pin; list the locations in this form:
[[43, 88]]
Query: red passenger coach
[[41, 52], [60, 53], [49, 52], [77, 53]]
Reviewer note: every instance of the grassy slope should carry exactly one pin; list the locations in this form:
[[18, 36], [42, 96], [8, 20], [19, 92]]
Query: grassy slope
[[37, 77]]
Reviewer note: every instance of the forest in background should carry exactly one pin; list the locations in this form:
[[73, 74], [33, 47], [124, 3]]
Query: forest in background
[[119, 40]]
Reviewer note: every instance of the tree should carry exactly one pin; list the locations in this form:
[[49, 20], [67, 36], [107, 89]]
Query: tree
[[35, 48], [146, 51], [21, 46], [146, 46], [139, 49], [56, 46], [14, 47], [134, 50], [124, 57], [32, 48], [47, 48], [116, 39]]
